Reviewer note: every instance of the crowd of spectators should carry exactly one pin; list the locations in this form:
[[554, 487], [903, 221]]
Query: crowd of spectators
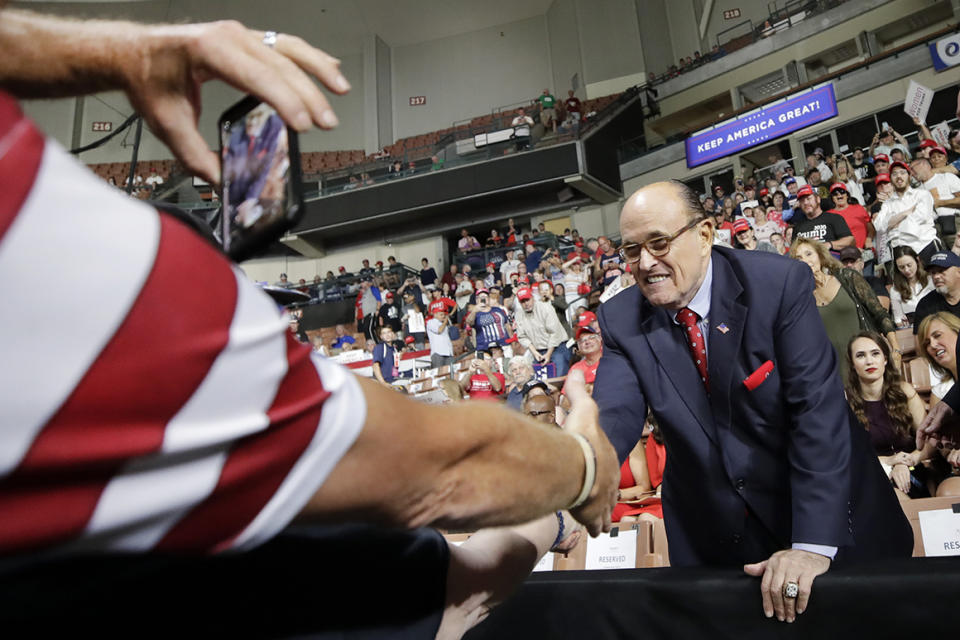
[[687, 64], [877, 227]]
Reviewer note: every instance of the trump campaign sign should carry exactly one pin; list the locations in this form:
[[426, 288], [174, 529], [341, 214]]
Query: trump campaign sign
[[766, 123], [945, 52]]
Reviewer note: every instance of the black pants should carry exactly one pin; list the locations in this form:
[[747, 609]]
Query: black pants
[[930, 249], [368, 327]]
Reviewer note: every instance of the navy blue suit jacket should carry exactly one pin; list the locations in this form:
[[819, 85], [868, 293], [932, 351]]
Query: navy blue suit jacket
[[748, 472]]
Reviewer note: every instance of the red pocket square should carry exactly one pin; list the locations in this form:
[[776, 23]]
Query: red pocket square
[[756, 378]]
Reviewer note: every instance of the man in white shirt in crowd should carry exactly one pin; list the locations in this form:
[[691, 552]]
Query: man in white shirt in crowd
[[521, 129], [908, 216], [886, 141], [815, 161], [508, 266], [438, 332], [540, 332], [944, 187]]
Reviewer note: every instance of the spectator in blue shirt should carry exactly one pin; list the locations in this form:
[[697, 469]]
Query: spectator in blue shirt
[[386, 359], [344, 340]]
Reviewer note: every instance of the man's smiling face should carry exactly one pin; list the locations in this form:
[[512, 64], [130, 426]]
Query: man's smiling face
[[670, 280]]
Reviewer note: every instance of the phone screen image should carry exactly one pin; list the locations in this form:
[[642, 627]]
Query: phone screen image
[[259, 175]]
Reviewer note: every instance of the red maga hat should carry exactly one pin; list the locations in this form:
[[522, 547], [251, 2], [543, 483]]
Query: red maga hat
[[880, 179], [805, 190], [902, 165], [583, 330]]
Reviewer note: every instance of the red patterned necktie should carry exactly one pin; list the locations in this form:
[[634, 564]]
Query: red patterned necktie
[[698, 348]]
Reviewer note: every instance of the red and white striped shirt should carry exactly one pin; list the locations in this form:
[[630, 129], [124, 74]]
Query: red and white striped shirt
[[150, 396]]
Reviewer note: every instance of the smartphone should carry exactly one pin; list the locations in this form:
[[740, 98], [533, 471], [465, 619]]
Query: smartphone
[[884, 126], [262, 186]]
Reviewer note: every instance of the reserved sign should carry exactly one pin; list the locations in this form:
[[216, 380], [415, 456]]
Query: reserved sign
[[613, 550], [941, 532]]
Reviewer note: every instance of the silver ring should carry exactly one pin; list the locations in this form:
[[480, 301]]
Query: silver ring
[[791, 590], [270, 39]]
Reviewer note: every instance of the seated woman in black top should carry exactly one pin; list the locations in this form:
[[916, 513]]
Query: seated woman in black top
[[890, 410]]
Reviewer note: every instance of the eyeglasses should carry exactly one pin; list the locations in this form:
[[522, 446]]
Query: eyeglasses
[[656, 247], [534, 414]]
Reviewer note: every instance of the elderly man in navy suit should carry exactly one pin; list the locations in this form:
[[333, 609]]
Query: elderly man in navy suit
[[765, 468]]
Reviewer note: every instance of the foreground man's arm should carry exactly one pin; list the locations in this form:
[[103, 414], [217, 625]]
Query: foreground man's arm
[[467, 465]]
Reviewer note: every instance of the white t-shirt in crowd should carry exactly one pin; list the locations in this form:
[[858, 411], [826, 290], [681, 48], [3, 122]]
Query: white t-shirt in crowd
[[947, 186], [440, 343]]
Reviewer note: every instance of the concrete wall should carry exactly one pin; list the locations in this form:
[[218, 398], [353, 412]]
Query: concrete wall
[[754, 10], [384, 94], [655, 35], [409, 253], [468, 75], [565, 54], [682, 24], [610, 39]]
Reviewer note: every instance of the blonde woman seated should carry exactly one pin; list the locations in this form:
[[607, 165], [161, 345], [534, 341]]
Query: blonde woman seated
[[890, 410], [937, 336], [844, 300]]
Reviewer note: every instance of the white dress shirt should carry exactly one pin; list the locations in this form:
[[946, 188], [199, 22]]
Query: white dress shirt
[[917, 230]]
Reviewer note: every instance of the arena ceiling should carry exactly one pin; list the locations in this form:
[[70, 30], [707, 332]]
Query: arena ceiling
[[335, 25]]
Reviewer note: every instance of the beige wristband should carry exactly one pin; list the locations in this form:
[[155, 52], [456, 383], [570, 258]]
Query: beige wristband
[[589, 470]]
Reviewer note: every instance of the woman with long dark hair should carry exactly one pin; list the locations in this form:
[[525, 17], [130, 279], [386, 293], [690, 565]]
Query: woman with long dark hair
[[890, 409], [910, 283]]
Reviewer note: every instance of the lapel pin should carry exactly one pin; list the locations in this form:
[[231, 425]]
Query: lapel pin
[[722, 327]]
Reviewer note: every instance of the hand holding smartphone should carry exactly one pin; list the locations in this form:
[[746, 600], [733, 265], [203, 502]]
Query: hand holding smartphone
[[260, 169]]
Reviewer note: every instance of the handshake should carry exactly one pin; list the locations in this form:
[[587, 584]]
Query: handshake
[[594, 504]]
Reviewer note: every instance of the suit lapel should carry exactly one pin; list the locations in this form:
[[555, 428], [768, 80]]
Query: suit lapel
[[727, 320], [671, 351]]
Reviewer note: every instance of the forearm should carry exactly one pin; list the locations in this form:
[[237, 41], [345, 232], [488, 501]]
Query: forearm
[[896, 220], [894, 343], [377, 373], [465, 477], [59, 57], [487, 568], [948, 202], [840, 243], [494, 381]]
